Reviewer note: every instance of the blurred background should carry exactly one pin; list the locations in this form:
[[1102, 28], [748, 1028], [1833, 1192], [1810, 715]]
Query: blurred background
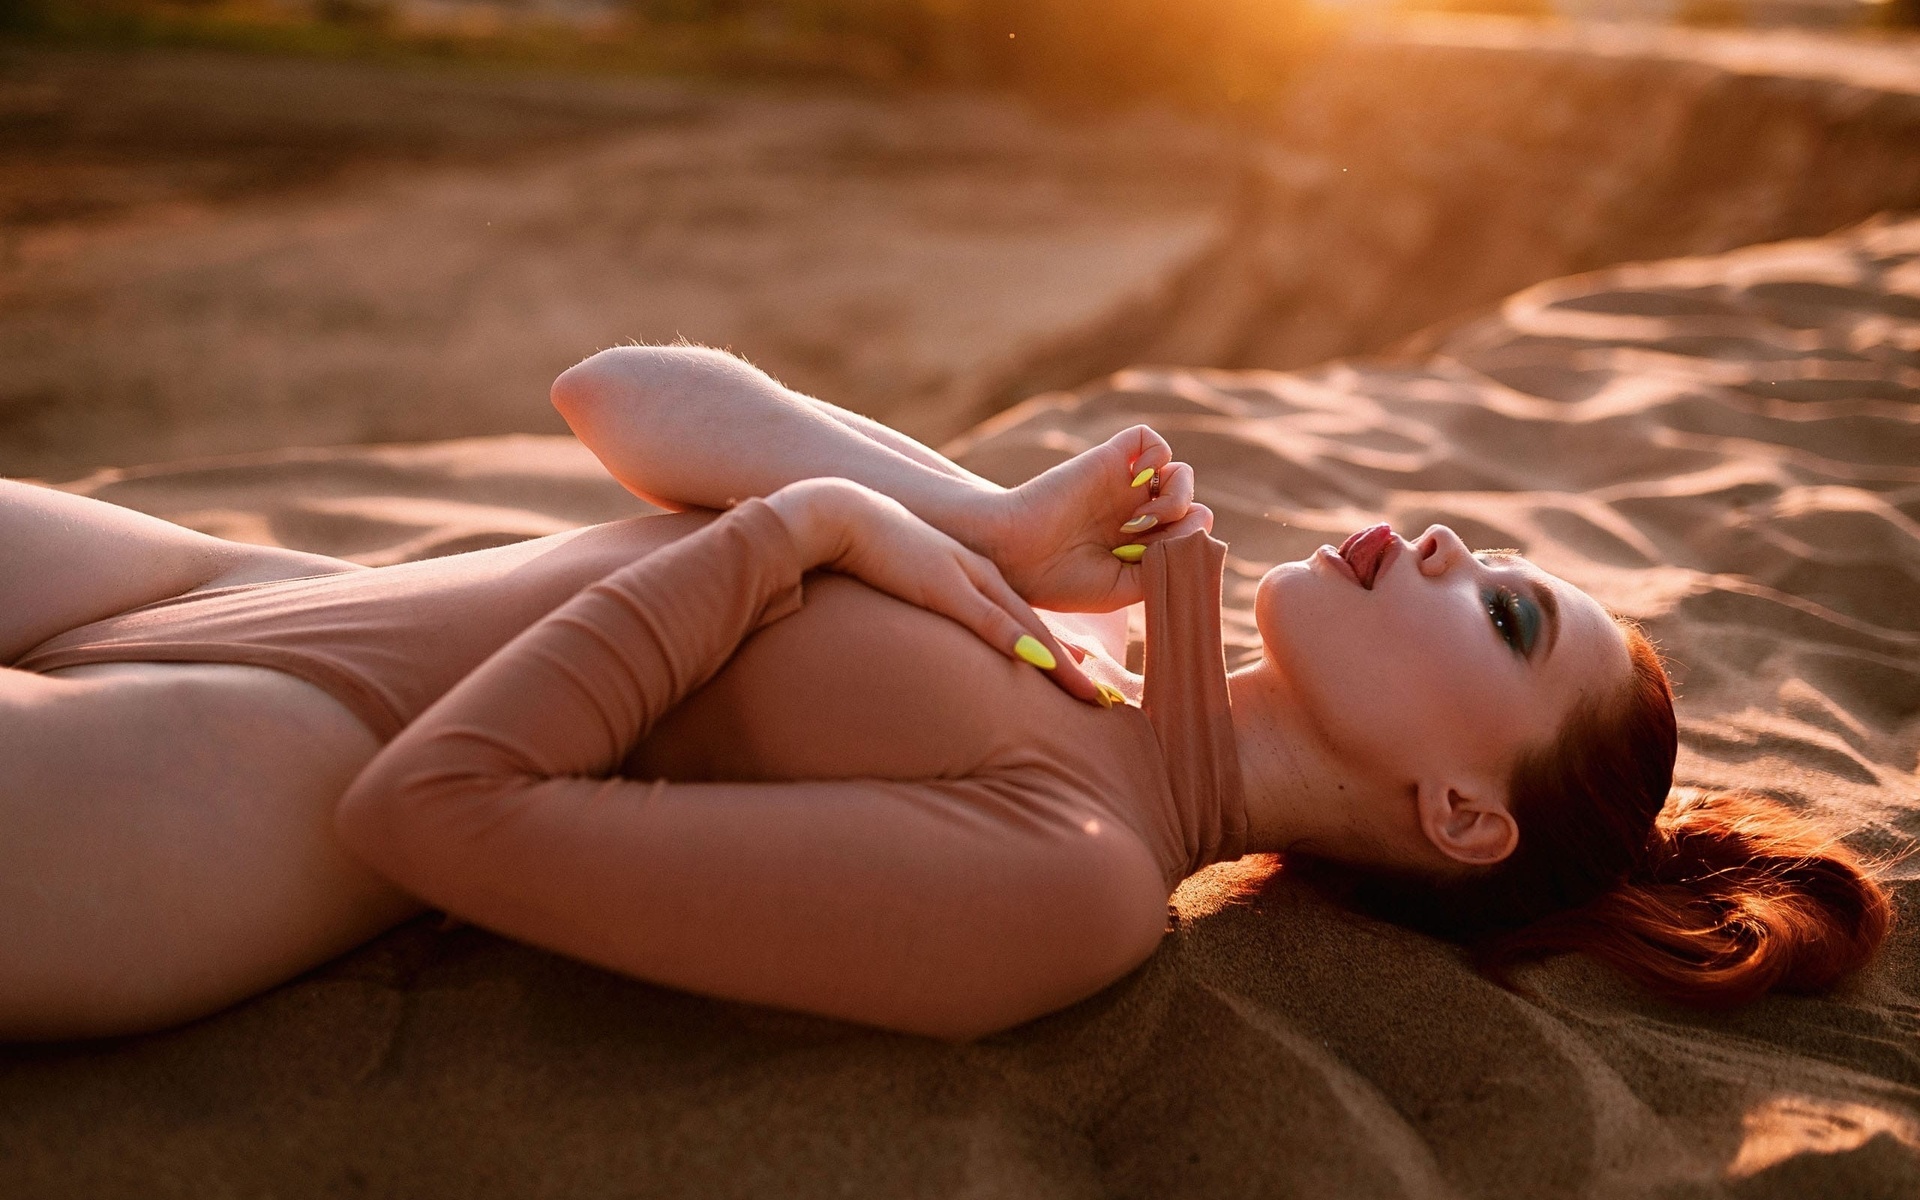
[[230, 226]]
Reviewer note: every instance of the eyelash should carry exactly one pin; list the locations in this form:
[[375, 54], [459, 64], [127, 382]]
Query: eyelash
[[1503, 607]]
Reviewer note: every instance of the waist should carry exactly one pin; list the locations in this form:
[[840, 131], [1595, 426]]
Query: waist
[[280, 698], [304, 686]]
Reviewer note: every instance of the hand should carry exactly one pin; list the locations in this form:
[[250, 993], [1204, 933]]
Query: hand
[[846, 527], [1053, 536]]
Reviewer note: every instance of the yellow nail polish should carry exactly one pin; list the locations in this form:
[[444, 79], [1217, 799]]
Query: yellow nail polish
[[1131, 553], [1110, 696], [1145, 474], [1142, 522], [1030, 648]]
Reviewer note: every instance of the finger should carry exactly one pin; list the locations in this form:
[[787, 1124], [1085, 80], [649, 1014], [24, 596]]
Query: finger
[[1198, 516], [988, 617], [1134, 551], [1020, 617], [1176, 495], [1066, 673], [1145, 450]]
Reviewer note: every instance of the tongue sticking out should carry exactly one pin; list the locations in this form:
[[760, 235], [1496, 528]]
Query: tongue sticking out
[[1365, 550]]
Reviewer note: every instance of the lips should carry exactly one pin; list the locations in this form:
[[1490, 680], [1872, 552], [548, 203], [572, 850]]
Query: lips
[[1366, 552]]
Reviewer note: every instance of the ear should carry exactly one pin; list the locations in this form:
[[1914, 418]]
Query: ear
[[1470, 825]]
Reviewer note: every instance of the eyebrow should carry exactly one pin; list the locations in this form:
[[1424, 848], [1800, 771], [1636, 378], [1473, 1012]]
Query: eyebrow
[[1542, 595]]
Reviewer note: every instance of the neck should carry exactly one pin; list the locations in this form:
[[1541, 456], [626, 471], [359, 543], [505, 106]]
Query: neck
[[1298, 798]]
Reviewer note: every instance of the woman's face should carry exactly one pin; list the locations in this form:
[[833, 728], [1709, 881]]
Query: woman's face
[[1415, 659]]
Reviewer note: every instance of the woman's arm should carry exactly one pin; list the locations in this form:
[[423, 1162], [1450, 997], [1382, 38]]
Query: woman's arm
[[684, 426], [902, 904]]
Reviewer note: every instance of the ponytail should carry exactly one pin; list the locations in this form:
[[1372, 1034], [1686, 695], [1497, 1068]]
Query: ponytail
[[1736, 896], [1705, 898]]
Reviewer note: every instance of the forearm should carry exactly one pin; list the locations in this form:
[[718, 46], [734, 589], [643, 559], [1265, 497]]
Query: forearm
[[891, 438], [572, 694], [681, 425]]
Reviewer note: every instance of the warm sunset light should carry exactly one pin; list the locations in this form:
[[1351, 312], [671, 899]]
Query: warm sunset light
[[1782, 1127], [1153, 599]]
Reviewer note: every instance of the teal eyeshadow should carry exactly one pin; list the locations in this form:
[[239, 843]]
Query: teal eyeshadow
[[1530, 621]]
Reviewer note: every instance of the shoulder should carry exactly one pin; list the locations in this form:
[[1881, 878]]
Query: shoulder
[[1114, 881], [1066, 925], [1031, 904], [1103, 887]]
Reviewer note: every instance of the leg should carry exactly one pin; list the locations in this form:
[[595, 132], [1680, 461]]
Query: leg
[[166, 844], [70, 561]]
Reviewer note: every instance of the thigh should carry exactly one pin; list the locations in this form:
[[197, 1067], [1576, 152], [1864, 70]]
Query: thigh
[[167, 845], [67, 561]]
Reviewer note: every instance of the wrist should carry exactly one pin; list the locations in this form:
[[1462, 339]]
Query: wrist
[[805, 509], [970, 512]]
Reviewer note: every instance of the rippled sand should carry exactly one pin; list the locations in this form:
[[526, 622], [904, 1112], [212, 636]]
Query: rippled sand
[[1727, 448]]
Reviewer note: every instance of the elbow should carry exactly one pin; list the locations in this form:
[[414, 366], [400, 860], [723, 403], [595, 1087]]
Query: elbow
[[379, 824], [364, 824], [630, 377], [579, 389], [974, 1016], [965, 1032], [423, 821], [1101, 931]]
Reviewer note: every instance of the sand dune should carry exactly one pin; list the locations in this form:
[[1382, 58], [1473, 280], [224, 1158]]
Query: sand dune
[[1727, 448], [205, 253], [209, 254]]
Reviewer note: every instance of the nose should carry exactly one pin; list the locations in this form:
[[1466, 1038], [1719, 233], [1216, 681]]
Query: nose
[[1439, 550]]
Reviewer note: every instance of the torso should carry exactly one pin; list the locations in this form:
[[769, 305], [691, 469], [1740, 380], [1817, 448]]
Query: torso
[[845, 631], [258, 828], [832, 667], [180, 854], [564, 561]]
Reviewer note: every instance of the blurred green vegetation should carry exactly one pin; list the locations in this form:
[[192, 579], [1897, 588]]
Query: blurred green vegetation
[[1206, 52]]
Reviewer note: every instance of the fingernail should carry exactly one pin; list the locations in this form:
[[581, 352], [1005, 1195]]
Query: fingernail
[[1143, 521], [1030, 648], [1131, 553], [1145, 474], [1110, 696]]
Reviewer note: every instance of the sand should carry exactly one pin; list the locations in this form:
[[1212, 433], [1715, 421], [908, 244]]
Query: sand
[[1434, 166], [205, 253], [1727, 448]]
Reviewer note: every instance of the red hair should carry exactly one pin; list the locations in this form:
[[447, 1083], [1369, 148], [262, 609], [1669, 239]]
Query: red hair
[[1705, 898]]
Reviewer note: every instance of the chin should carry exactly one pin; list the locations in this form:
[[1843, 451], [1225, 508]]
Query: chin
[[1270, 600], [1279, 603]]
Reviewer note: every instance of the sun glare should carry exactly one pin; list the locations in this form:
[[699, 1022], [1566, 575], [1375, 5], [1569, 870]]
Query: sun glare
[[1786, 1127]]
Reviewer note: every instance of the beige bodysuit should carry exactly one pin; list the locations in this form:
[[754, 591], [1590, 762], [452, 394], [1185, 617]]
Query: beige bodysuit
[[700, 766]]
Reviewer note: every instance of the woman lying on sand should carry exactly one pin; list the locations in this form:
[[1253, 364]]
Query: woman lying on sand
[[661, 746]]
